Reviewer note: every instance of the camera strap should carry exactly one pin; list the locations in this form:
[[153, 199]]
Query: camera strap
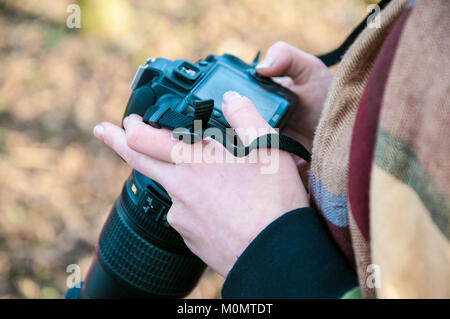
[[274, 141], [336, 55], [183, 128]]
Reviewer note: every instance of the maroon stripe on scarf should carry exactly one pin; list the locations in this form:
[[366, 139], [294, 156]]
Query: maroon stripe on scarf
[[365, 129]]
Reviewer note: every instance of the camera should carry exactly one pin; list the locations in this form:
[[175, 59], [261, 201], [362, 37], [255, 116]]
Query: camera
[[138, 254]]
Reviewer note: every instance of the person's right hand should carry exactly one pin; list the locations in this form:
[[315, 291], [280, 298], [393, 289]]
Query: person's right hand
[[305, 75]]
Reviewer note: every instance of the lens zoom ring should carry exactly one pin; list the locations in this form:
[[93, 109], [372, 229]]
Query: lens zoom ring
[[144, 265]]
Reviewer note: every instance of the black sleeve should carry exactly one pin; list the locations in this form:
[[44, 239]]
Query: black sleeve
[[293, 257]]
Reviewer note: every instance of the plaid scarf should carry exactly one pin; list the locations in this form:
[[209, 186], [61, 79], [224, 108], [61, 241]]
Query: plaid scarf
[[380, 173]]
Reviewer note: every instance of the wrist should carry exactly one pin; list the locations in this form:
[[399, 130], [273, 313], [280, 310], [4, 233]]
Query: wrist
[[293, 257]]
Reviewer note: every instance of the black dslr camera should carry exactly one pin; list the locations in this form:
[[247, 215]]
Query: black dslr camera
[[138, 253]]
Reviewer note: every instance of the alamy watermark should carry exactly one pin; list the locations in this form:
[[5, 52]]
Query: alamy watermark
[[217, 146], [374, 18], [74, 279], [73, 21], [374, 279]]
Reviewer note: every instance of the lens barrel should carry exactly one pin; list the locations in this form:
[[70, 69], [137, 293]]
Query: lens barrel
[[138, 253]]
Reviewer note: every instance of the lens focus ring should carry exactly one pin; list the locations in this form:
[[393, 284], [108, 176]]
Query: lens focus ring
[[142, 264]]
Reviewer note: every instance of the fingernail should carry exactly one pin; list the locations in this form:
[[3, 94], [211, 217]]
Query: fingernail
[[99, 132], [266, 63], [230, 97]]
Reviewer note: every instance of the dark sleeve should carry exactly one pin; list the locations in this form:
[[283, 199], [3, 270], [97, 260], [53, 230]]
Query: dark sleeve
[[293, 257]]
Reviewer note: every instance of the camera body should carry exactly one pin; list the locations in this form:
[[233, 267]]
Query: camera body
[[138, 253], [182, 84]]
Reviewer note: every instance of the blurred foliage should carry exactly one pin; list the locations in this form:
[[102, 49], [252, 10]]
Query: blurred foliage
[[57, 182]]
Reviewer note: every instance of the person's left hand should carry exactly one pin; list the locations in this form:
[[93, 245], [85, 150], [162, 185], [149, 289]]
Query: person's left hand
[[218, 208]]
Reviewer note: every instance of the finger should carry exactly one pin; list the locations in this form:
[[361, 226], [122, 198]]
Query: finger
[[302, 168], [243, 116], [114, 137], [283, 59], [284, 81], [178, 218], [156, 143]]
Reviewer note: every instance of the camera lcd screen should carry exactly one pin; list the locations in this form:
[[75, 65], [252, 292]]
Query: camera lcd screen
[[223, 79]]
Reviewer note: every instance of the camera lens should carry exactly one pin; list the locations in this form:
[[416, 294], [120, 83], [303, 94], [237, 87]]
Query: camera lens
[[139, 254]]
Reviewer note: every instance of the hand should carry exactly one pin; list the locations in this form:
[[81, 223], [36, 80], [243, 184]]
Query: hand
[[218, 208], [305, 75]]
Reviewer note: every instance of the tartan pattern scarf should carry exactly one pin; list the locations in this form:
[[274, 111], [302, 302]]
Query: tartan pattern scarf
[[380, 175]]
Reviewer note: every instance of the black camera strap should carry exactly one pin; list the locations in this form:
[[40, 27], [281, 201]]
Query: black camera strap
[[336, 55], [182, 127], [272, 140]]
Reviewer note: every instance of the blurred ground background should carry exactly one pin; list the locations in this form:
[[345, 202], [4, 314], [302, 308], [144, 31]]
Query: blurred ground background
[[57, 182]]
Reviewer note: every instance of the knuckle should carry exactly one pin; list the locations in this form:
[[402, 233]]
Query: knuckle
[[129, 158], [175, 189], [282, 46], [136, 160], [133, 135], [191, 247], [243, 106], [171, 219]]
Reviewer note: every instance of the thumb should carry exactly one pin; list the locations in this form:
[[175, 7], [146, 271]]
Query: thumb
[[243, 116], [283, 59]]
